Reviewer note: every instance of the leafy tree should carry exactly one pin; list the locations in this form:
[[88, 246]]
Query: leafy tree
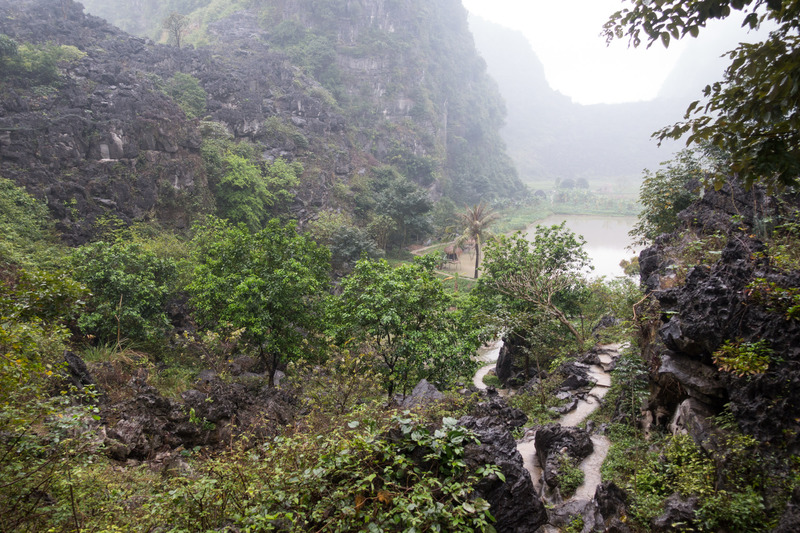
[[754, 112], [8, 50], [404, 201], [350, 243], [269, 283], [476, 221], [444, 217], [545, 274], [404, 315], [24, 223], [130, 287], [380, 228], [176, 26], [666, 193], [245, 193]]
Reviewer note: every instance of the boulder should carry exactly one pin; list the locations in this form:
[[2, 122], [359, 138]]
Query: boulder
[[606, 510], [552, 441], [576, 376], [77, 374], [514, 503], [698, 379], [695, 419], [679, 514], [424, 393], [495, 407]]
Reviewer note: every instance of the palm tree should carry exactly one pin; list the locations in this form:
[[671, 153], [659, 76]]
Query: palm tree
[[476, 221]]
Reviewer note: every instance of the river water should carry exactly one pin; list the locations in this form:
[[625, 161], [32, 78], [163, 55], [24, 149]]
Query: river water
[[607, 242], [607, 239]]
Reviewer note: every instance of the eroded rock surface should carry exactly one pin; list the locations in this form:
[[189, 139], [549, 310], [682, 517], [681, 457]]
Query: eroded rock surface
[[554, 441], [514, 503]]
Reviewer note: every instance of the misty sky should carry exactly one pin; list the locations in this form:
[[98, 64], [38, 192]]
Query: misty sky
[[566, 37]]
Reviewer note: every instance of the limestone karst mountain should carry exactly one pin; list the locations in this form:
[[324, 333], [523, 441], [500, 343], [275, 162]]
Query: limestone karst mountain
[[340, 87]]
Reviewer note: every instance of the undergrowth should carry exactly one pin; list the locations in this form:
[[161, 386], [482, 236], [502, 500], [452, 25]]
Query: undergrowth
[[397, 475]]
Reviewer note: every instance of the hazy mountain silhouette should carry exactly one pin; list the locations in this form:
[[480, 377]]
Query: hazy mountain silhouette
[[550, 137]]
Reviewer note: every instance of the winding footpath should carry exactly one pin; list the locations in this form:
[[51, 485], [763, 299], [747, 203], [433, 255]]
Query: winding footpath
[[591, 465]]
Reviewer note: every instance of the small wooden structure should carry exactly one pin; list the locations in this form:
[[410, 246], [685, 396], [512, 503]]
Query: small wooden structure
[[452, 255]]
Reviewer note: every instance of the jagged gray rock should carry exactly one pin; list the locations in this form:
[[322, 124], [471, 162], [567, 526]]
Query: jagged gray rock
[[679, 514], [514, 503], [553, 441]]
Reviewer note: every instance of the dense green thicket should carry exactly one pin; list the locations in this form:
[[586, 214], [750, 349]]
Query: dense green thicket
[[347, 464], [404, 316], [269, 284], [37, 64]]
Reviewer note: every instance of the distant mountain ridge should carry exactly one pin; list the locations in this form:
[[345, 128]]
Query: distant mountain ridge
[[550, 137]]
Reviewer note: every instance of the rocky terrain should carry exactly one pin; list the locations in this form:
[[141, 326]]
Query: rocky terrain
[[105, 139], [740, 297]]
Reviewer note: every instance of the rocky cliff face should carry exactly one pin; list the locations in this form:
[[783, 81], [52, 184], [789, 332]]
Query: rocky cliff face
[[102, 140], [734, 299], [400, 86]]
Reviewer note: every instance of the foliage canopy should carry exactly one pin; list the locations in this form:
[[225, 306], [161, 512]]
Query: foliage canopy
[[544, 275], [405, 316], [754, 112], [666, 193], [130, 287], [269, 283]]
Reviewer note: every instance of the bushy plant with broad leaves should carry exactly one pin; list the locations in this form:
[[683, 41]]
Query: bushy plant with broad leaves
[[130, 287], [270, 284], [43, 439], [187, 92], [743, 358], [394, 474], [406, 318], [665, 193]]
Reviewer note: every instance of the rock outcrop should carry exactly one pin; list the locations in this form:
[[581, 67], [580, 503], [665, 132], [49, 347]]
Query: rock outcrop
[[738, 299], [719, 303], [554, 444], [106, 140], [514, 503]]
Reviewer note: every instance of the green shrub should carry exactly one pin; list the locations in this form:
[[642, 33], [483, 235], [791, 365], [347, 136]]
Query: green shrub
[[36, 295], [42, 439], [491, 380], [398, 475], [782, 300], [25, 223], [185, 89], [783, 248], [130, 287], [728, 484], [539, 403], [664, 194], [743, 358], [37, 63], [570, 475], [247, 194]]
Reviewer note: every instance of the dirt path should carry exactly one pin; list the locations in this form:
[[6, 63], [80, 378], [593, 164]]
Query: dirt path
[[591, 465], [465, 266], [487, 354]]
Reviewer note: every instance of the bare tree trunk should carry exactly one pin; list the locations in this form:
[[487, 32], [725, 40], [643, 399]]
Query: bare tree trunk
[[477, 257], [564, 320]]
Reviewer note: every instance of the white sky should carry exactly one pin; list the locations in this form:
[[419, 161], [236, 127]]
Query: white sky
[[565, 34]]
